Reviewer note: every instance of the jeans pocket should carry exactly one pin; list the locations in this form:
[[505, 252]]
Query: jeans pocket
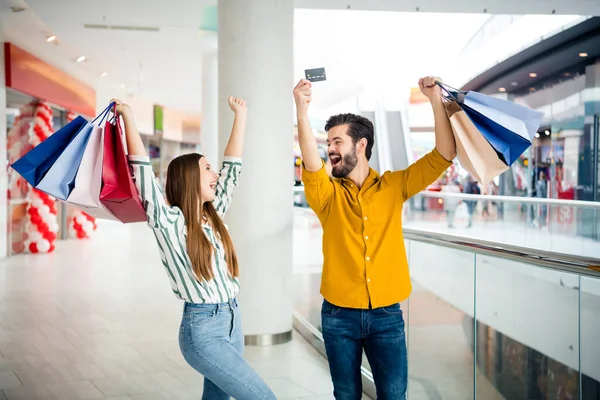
[[392, 309], [329, 309], [202, 317]]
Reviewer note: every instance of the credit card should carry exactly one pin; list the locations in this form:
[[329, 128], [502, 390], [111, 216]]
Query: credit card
[[315, 74]]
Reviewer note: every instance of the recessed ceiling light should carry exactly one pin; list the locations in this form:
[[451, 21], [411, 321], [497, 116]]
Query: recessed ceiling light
[[102, 75], [50, 39], [567, 74], [514, 83], [81, 59], [122, 85], [502, 89], [532, 74], [17, 9], [583, 54], [547, 132], [537, 134]]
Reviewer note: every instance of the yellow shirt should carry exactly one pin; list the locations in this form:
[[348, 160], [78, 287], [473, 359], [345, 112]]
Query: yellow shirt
[[363, 245]]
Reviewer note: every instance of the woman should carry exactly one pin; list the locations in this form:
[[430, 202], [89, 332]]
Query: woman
[[198, 255]]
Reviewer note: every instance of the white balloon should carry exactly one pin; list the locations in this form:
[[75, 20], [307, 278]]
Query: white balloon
[[37, 202], [44, 211], [35, 236], [43, 246], [54, 227], [80, 219], [88, 227]]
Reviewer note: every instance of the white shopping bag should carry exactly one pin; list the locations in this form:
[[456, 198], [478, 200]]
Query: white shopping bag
[[88, 182]]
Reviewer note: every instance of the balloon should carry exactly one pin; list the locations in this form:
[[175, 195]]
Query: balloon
[[44, 211], [33, 247], [43, 246], [37, 202], [80, 219], [36, 219], [88, 226], [34, 236], [33, 211], [81, 234], [52, 247], [54, 226]]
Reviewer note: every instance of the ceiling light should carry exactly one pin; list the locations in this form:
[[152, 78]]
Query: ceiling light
[[583, 54], [537, 134], [547, 132], [567, 74], [122, 85], [514, 83], [17, 9], [502, 89], [50, 39], [102, 75], [532, 74], [81, 59]]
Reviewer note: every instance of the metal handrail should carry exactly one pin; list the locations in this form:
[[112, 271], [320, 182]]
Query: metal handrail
[[513, 199], [558, 261], [594, 205]]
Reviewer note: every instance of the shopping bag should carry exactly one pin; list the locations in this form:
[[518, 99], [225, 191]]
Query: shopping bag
[[59, 181], [508, 127], [119, 193], [34, 165], [474, 152], [88, 182]]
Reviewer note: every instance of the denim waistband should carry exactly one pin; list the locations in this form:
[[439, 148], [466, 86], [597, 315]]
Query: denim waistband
[[231, 304]]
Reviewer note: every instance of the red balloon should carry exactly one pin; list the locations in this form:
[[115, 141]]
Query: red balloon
[[36, 219], [49, 236], [81, 235], [51, 249], [33, 211], [33, 247]]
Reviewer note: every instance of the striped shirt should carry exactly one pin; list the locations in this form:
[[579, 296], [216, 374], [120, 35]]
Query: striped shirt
[[168, 225]]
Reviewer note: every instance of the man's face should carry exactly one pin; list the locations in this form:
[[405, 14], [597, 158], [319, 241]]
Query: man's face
[[342, 151]]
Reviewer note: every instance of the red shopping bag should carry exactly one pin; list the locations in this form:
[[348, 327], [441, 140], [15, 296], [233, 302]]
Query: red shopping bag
[[119, 193]]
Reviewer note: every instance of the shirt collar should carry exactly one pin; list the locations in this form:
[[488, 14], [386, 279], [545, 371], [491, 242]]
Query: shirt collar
[[371, 178]]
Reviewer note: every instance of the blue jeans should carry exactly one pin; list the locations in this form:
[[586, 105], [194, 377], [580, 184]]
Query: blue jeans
[[212, 342], [380, 332]]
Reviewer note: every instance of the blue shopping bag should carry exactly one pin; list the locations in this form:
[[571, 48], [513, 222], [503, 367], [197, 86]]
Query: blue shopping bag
[[507, 126], [59, 181], [34, 165]]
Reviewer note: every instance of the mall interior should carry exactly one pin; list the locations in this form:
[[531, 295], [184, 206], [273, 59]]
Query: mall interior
[[505, 302]]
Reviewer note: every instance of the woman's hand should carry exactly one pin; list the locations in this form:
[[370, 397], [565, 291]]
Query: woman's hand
[[121, 108], [237, 105]]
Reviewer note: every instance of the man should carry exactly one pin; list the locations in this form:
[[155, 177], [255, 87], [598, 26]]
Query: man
[[365, 271]]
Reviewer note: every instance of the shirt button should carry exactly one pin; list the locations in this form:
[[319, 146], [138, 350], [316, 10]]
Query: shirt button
[[368, 280], [366, 218], [368, 258], [366, 238]]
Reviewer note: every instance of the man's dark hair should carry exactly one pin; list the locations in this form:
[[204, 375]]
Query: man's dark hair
[[359, 127]]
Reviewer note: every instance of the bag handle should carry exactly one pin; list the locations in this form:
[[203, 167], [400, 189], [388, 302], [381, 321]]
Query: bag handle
[[104, 113]]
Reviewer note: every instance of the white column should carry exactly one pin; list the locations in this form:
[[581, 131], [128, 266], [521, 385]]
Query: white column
[[256, 63], [3, 155], [209, 125]]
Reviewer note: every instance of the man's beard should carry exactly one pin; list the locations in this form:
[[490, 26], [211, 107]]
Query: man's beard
[[346, 165]]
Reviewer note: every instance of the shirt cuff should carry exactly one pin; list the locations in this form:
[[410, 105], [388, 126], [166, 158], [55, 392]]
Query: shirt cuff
[[309, 177], [135, 159], [232, 160], [438, 160]]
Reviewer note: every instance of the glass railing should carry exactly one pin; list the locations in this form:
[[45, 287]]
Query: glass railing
[[485, 320]]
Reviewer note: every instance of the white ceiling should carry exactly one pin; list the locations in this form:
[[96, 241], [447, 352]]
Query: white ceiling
[[166, 67]]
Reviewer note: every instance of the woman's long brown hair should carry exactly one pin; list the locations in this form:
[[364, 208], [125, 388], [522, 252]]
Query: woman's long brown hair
[[183, 191]]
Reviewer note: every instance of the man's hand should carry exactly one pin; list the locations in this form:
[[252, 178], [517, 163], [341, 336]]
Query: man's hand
[[429, 88], [303, 97], [237, 105]]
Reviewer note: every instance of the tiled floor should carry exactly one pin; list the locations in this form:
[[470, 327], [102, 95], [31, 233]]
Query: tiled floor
[[97, 320]]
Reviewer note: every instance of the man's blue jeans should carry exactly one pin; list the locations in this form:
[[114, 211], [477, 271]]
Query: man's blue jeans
[[380, 332]]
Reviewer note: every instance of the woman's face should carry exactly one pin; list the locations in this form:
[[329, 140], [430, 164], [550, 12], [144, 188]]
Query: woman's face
[[208, 181]]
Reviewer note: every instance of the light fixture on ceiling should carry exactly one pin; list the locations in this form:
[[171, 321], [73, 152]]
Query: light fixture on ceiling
[[532, 74], [502, 89], [514, 83], [51, 38], [547, 132], [122, 86], [80, 59], [583, 54], [537, 135], [102, 75], [17, 9], [567, 74]]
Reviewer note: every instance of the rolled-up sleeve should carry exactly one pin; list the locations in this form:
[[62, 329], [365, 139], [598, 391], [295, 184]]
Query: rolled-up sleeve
[[159, 213], [318, 188], [229, 178], [421, 174]]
